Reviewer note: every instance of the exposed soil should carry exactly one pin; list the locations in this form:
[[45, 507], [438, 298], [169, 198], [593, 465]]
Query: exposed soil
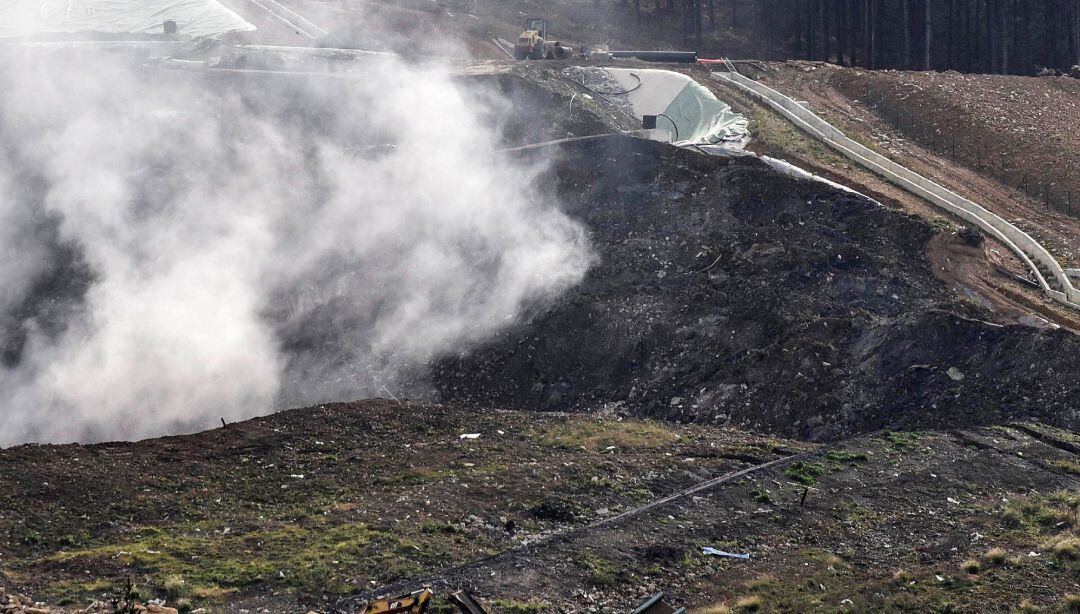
[[289, 510], [727, 294], [976, 124], [971, 521]]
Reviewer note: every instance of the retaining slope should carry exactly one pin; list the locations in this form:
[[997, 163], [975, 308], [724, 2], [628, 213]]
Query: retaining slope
[[1048, 272]]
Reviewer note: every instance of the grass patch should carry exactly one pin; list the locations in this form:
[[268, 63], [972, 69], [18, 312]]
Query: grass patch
[[996, 557], [316, 558], [844, 457], [513, 606], [600, 571], [760, 496], [805, 473], [752, 603], [439, 526], [900, 441], [1067, 466], [598, 435], [772, 131], [719, 608], [971, 567], [1067, 549]]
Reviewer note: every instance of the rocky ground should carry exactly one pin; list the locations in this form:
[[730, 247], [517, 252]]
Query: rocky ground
[[733, 315], [728, 294], [297, 509], [990, 137]]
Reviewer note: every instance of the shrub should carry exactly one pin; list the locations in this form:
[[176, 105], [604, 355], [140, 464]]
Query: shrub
[[971, 566], [1072, 602]]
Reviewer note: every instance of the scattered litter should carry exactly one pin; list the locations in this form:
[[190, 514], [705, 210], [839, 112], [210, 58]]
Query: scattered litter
[[469, 436], [657, 605], [714, 552], [953, 501], [955, 374]]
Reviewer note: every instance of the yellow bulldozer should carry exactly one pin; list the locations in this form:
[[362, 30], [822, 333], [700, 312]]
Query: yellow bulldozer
[[534, 44]]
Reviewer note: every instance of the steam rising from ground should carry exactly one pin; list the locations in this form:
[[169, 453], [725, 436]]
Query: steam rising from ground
[[174, 249]]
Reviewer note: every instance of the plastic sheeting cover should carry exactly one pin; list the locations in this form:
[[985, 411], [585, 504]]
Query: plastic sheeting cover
[[193, 18], [684, 106]]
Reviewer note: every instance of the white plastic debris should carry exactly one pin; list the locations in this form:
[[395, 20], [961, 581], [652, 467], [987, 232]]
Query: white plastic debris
[[731, 555], [469, 436]]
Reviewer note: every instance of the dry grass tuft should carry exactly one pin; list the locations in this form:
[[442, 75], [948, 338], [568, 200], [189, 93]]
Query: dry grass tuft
[[996, 557], [748, 604]]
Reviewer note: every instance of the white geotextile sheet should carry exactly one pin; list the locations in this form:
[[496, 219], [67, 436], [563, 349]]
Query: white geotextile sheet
[[699, 117], [193, 18]]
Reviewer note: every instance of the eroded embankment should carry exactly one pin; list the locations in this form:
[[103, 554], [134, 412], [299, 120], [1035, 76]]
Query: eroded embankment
[[726, 293]]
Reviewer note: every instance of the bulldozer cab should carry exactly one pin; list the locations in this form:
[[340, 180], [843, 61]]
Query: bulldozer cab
[[537, 25]]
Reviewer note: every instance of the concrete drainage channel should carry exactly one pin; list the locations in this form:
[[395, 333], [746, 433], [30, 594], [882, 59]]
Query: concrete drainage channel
[[1054, 280]]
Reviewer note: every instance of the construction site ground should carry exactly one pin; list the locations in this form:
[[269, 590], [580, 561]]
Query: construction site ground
[[897, 426], [302, 508], [1056, 230]]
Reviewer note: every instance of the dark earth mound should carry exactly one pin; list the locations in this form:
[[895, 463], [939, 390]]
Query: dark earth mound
[[727, 293]]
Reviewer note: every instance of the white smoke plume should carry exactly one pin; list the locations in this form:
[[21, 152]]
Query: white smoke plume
[[175, 248]]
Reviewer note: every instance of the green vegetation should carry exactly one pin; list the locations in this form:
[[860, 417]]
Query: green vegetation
[[900, 441], [752, 603], [601, 572], [774, 132], [513, 606], [996, 557], [971, 566], [845, 457], [1067, 466], [760, 496], [598, 435], [1067, 549], [805, 472]]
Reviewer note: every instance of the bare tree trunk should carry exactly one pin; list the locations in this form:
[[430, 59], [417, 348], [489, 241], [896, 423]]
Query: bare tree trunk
[[868, 33], [842, 35], [1006, 11], [853, 31], [928, 39], [906, 7], [1075, 33], [733, 13], [712, 15], [952, 36], [826, 15], [1050, 20]]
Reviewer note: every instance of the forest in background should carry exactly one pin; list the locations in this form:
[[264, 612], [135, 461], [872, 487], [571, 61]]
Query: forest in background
[[986, 36]]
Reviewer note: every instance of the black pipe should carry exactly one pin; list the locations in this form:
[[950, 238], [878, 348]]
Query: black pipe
[[687, 57]]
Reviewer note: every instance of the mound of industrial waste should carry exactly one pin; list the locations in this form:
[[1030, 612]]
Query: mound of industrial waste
[[728, 293]]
